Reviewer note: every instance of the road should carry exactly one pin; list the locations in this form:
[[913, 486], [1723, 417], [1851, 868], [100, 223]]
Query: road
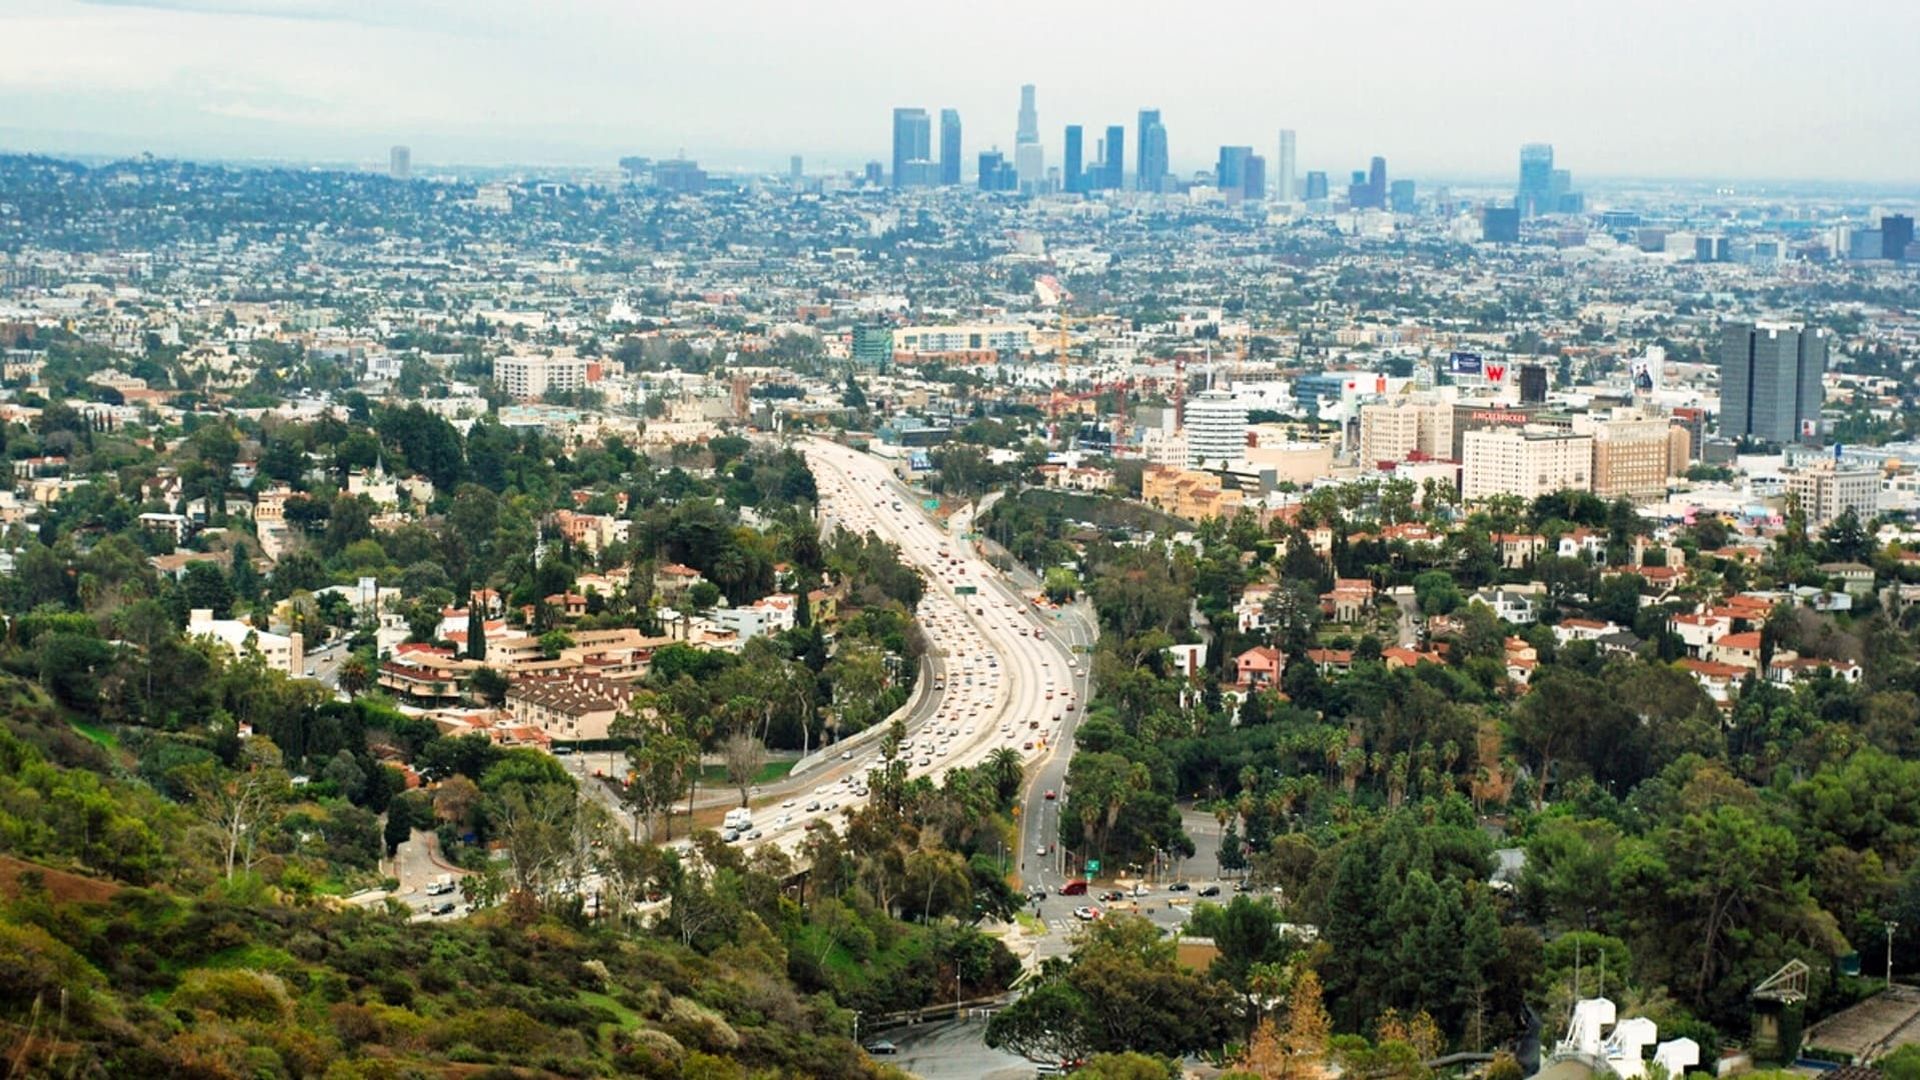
[[952, 1050], [1409, 616], [417, 866]]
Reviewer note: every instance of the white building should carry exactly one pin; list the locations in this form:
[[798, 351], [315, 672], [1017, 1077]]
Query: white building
[[529, 378], [1529, 462], [281, 652], [1216, 428]]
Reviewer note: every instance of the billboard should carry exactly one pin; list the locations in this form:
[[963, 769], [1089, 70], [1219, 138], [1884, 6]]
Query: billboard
[[1464, 363], [1644, 375]]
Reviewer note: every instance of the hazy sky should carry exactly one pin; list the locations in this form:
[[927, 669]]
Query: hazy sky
[[1685, 88]]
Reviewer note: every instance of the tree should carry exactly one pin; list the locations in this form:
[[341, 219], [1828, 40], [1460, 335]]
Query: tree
[[239, 802], [1845, 539], [1308, 1025], [476, 628], [744, 754], [356, 676], [488, 685]]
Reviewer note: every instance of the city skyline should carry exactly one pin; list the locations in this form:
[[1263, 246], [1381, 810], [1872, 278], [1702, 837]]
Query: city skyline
[[477, 85]]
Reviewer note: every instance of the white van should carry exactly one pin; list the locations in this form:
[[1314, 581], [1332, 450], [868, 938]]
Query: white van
[[739, 818]]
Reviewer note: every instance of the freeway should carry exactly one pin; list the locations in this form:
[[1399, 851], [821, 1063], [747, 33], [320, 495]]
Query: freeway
[[1005, 675]]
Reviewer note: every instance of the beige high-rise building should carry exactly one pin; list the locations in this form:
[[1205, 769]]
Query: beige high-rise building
[[1528, 462], [1826, 491], [1395, 431], [1632, 456]]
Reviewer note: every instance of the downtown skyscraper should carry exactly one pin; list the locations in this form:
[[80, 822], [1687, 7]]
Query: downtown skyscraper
[[1114, 158], [1285, 167], [1150, 171], [1071, 175], [949, 147], [1535, 194], [1029, 158], [912, 148]]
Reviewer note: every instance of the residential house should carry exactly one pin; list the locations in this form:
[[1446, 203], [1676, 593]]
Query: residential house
[[1510, 605], [1349, 601], [1331, 661], [281, 652], [1740, 650], [1518, 550], [1399, 656], [1854, 577], [1259, 666], [672, 582], [1720, 681]]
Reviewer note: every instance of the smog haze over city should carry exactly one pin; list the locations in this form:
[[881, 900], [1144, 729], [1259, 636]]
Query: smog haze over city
[[1765, 89]]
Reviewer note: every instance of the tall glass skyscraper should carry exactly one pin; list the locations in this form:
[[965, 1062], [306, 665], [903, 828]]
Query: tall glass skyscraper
[[1283, 173], [1116, 159], [949, 146], [1535, 195], [1071, 176], [1028, 158], [1150, 171], [912, 147]]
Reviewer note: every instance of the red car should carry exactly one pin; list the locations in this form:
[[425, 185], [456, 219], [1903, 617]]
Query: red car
[[1049, 794]]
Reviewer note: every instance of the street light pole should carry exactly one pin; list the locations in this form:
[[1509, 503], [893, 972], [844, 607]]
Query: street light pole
[[1891, 927]]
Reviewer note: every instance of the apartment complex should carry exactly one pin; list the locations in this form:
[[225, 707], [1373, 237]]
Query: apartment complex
[[530, 378], [1194, 496], [1396, 432], [1528, 462]]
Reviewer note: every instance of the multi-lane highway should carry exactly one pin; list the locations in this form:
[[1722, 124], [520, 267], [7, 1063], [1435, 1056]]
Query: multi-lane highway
[[1006, 674], [1011, 677]]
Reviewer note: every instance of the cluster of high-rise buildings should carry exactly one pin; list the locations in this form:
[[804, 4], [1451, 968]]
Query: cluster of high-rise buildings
[[1239, 172]]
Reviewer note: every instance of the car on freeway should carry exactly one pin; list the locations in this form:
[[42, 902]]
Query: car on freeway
[[1210, 890], [1050, 795], [444, 907], [1180, 886]]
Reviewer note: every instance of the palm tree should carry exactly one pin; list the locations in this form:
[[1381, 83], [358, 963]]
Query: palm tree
[[1006, 770]]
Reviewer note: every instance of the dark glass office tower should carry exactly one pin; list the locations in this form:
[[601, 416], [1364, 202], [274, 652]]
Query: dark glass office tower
[[1896, 237], [1377, 183], [1116, 160], [1071, 175], [912, 146], [1770, 381], [1316, 185], [949, 146]]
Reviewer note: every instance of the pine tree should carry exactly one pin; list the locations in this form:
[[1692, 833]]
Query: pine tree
[[476, 627]]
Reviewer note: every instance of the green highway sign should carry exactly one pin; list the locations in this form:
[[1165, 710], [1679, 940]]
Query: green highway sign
[[965, 590], [1093, 866]]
